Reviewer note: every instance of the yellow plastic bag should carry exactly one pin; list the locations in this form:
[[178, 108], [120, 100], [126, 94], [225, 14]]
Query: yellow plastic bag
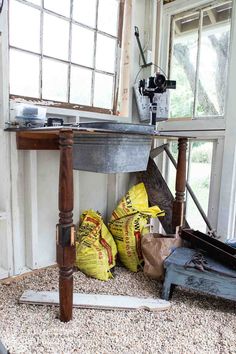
[[95, 247], [127, 223]]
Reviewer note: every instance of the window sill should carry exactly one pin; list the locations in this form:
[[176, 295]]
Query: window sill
[[72, 115], [207, 126]]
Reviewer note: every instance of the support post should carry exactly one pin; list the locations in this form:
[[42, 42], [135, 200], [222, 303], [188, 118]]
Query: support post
[[180, 185], [65, 228]]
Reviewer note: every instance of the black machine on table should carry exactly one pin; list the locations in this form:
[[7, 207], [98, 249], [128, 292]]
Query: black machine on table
[[157, 84]]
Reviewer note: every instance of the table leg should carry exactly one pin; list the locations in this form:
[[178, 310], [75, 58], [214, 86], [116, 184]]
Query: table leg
[[65, 228], [179, 202]]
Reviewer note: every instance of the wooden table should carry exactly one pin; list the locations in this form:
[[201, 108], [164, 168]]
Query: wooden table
[[65, 241]]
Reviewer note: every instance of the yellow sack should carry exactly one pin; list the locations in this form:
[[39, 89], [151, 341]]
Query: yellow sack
[[136, 200], [127, 223], [95, 247]]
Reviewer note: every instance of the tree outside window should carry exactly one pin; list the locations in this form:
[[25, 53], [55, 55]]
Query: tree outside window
[[199, 61]]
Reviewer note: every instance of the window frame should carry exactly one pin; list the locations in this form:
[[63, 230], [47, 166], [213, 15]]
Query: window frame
[[220, 129], [116, 75], [196, 124]]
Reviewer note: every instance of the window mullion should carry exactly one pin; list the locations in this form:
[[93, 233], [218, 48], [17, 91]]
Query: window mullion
[[197, 63], [94, 55], [120, 19], [41, 52], [70, 49]]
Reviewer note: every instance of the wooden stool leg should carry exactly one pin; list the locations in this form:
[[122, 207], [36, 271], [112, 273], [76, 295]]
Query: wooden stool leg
[[179, 202], [166, 288], [65, 228]]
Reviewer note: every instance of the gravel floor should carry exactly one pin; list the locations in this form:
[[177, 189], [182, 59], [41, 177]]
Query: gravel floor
[[194, 324]]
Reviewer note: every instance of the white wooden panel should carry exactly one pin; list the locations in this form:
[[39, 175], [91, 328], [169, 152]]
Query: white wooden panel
[[3, 248], [93, 191], [6, 258], [47, 194], [227, 210], [216, 172], [31, 208], [18, 212], [76, 212], [117, 187]]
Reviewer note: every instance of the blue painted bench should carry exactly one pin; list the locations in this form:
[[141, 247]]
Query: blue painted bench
[[219, 280]]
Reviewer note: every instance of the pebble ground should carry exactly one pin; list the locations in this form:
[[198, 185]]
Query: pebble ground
[[195, 323]]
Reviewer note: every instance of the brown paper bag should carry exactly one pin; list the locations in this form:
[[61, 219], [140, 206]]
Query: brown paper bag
[[156, 248]]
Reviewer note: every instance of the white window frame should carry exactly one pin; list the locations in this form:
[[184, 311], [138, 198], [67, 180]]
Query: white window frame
[[222, 198], [206, 123], [70, 20]]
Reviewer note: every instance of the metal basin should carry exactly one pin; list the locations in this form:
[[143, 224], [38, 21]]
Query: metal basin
[[127, 149], [143, 129]]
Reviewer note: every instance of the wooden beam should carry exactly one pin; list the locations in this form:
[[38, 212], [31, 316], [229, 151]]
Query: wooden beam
[[37, 140], [65, 228], [178, 28], [212, 16], [96, 301], [180, 185], [158, 193]]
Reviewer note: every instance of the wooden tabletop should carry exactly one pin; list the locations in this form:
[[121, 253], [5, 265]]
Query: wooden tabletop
[[48, 139]]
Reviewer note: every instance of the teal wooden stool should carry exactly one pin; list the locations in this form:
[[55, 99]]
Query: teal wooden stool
[[217, 280]]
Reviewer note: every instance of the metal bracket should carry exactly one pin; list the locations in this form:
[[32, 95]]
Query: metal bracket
[[65, 235], [136, 33]]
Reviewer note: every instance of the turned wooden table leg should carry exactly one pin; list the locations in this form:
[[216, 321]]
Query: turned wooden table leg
[[179, 202], [65, 228]]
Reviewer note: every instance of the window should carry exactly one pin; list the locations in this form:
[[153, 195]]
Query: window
[[66, 52], [199, 61], [199, 158]]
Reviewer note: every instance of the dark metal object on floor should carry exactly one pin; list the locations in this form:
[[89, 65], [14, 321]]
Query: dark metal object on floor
[[215, 248], [197, 261]]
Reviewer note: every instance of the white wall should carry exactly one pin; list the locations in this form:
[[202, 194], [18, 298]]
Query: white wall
[[29, 180]]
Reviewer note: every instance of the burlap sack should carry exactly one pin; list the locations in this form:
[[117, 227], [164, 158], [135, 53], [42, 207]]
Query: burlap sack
[[155, 249]]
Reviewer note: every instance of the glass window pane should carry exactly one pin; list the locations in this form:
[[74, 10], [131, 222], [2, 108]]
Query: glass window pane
[[213, 64], [55, 37], [108, 16], [55, 79], [103, 91], [61, 7], [24, 74], [82, 46], [107, 46], [85, 12], [171, 170], [80, 87], [200, 160], [183, 66], [24, 26]]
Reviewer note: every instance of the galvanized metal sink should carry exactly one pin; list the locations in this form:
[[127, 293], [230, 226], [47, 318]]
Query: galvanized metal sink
[[120, 148], [120, 127]]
